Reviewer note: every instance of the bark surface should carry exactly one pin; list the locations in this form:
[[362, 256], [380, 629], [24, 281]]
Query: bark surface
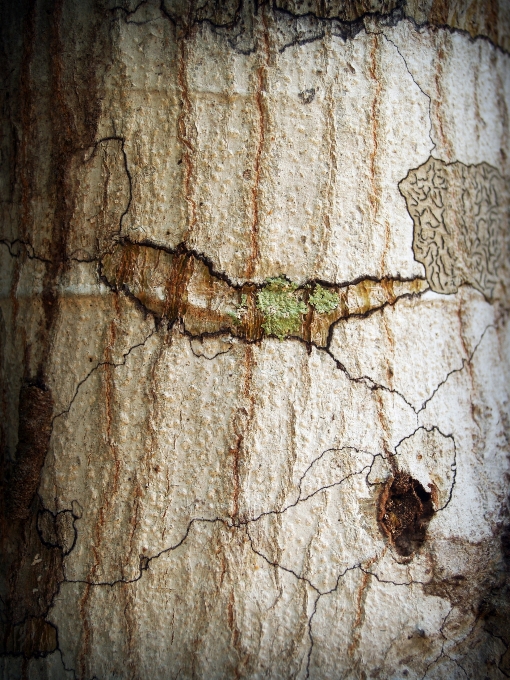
[[254, 339]]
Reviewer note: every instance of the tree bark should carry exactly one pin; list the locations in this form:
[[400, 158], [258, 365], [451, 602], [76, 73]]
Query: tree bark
[[254, 339]]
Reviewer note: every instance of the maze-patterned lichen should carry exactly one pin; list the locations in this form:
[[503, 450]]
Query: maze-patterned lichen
[[460, 215]]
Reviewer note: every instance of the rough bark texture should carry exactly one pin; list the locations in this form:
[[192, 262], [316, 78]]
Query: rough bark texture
[[255, 349]]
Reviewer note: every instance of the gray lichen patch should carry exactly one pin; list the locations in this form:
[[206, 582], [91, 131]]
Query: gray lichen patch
[[460, 216]]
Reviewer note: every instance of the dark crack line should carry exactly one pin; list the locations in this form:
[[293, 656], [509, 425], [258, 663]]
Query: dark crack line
[[342, 28], [425, 94], [441, 653], [506, 646], [433, 662], [279, 566], [453, 466], [457, 664], [203, 356], [316, 460], [113, 364], [122, 140], [143, 567], [333, 590], [465, 362], [23, 246], [66, 669], [27, 248], [393, 18], [244, 523], [310, 636], [374, 386], [300, 499], [358, 566], [128, 14], [389, 581], [189, 23], [310, 620], [183, 249], [365, 380], [452, 30], [229, 524]]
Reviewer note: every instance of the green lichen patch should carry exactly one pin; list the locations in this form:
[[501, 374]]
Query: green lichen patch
[[281, 307], [323, 301], [235, 318]]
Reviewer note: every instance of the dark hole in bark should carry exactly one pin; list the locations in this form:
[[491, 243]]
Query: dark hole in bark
[[307, 96], [404, 513]]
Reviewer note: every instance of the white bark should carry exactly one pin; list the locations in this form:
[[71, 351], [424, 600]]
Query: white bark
[[214, 501]]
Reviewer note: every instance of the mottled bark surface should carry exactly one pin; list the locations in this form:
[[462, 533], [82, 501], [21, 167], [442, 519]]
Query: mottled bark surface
[[255, 349]]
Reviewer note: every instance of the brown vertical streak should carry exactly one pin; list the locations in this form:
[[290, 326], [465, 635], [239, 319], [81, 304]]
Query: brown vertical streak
[[492, 22], [386, 430], [261, 85], [109, 490], [85, 641], [374, 119], [360, 600], [34, 431], [16, 275], [176, 287], [332, 172], [251, 328], [63, 140], [44, 96], [503, 113], [236, 634], [25, 163], [254, 256], [437, 102], [478, 117], [389, 334], [184, 138], [438, 13], [461, 314], [241, 428], [111, 486], [147, 470], [306, 324], [131, 627], [235, 452], [138, 269], [24, 629]]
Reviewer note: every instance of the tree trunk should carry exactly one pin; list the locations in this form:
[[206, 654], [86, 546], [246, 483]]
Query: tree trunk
[[254, 339]]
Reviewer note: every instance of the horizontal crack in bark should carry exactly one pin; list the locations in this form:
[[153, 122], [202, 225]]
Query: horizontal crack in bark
[[180, 285]]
